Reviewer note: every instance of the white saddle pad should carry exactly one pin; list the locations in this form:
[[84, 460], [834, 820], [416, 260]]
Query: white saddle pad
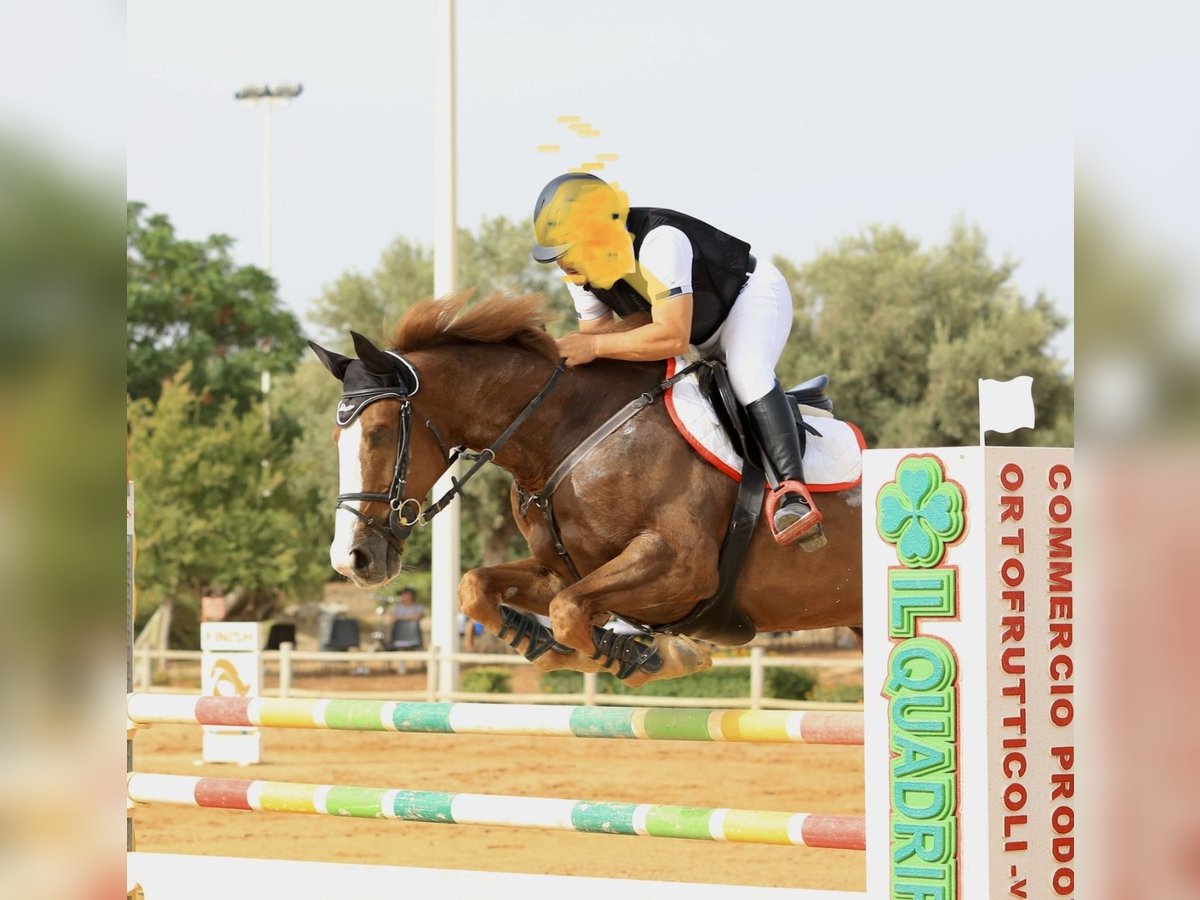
[[832, 461]]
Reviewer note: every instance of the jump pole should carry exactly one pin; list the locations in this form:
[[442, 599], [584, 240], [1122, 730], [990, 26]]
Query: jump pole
[[636, 723], [743, 826]]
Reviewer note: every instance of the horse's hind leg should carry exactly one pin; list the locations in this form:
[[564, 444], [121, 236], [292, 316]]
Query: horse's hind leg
[[622, 586]]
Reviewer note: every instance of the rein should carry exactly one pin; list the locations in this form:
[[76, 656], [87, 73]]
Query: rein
[[487, 455]]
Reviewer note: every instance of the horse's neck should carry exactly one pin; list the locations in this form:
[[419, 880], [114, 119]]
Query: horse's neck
[[491, 386], [587, 397]]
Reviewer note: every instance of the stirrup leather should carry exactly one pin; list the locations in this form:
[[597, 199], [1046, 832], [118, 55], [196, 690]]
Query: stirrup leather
[[796, 529]]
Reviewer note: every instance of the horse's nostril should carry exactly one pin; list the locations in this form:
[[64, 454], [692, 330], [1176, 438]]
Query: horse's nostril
[[360, 559]]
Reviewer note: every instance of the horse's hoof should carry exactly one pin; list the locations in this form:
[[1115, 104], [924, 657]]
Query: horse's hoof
[[687, 655], [814, 541], [680, 656]]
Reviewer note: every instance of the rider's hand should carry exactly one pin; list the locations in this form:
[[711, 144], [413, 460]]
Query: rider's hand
[[577, 349]]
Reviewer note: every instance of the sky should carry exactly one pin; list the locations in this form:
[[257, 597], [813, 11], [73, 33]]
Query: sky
[[789, 124]]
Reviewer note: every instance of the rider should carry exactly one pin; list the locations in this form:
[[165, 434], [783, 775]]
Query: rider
[[701, 286]]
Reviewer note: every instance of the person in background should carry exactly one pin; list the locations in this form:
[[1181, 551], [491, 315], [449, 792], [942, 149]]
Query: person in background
[[406, 606]]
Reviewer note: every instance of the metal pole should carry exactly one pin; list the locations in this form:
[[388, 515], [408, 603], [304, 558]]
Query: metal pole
[[447, 568], [267, 96], [264, 375], [266, 198], [129, 617], [445, 205]]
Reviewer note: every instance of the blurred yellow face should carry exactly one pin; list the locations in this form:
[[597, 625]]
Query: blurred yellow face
[[591, 218], [571, 274]]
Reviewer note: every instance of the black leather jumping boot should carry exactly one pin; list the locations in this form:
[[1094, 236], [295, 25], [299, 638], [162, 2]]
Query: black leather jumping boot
[[790, 508]]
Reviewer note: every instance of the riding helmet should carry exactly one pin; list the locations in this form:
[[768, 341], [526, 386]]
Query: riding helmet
[[553, 206]]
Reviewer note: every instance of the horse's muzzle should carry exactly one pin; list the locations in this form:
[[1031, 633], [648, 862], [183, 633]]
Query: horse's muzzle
[[370, 562]]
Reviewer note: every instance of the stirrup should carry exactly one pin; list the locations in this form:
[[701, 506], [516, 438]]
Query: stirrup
[[799, 529]]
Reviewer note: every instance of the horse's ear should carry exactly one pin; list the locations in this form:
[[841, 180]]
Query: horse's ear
[[373, 358], [334, 362]]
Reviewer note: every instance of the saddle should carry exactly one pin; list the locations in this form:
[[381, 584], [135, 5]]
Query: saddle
[[808, 396], [719, 619]]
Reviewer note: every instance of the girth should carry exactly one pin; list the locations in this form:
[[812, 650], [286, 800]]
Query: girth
[[719, 619]]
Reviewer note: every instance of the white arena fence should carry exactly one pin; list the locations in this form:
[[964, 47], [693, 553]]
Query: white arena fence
[[286, 663]]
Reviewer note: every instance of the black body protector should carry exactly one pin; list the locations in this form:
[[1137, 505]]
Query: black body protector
[[721, 264]]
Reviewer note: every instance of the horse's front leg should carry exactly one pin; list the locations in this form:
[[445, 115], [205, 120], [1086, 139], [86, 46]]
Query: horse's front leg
[[496, 596], [648, 567]]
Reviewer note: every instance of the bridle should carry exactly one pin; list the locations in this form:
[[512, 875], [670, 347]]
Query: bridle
[[398, 526]]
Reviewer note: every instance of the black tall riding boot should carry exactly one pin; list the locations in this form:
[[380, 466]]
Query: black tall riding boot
[[792, 513]]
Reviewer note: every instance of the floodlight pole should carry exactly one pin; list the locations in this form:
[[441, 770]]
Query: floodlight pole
[[267, 96], [266, 186]]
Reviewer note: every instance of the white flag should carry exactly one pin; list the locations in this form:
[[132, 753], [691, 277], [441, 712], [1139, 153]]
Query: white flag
[[1005, 406]]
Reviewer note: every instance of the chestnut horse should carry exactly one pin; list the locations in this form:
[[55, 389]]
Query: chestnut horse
[[641, 515]]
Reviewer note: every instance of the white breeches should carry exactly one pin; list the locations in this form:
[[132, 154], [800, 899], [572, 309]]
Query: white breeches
[[753, 334]]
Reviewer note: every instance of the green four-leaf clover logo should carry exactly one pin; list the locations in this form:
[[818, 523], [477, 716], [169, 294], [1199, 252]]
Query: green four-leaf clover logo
[[920, 512]]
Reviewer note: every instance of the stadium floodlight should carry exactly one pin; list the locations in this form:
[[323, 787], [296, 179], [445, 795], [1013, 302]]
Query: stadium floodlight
[[255, 92]]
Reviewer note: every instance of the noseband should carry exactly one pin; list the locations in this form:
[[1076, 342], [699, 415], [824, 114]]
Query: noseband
[[398, 526]]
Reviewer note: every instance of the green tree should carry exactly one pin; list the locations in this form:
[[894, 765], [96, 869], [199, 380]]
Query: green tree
[[189, 303], [222, 502], [209, 514], [905, 332]]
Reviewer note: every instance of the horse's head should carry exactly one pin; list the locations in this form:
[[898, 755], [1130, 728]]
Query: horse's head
[[386, 465]]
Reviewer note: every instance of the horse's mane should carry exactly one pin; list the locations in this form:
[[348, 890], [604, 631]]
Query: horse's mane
[[498, 319]]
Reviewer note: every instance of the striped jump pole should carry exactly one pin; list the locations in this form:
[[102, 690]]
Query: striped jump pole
[[664, 724], [646, 819]]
